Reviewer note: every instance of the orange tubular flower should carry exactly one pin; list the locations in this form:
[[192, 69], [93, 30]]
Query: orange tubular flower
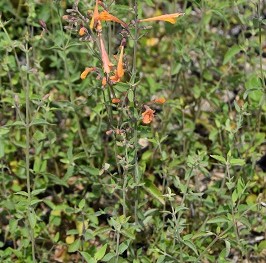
[[119, 73], [105, 58], [105, 16], [86, 72], [148, 115], [160, 100], [120, 70], [171, 18], [95, 15]]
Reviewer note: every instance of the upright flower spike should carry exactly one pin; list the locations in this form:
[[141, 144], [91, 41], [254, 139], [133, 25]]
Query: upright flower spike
[[148, 115], [105, 16], [171, 18], [105, 58], [94, 16]]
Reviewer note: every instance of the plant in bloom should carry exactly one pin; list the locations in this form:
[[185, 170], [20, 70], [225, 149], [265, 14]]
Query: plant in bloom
[[112, 74]]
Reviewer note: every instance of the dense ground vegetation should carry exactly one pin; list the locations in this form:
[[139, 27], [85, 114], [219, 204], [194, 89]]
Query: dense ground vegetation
[[162, 159]]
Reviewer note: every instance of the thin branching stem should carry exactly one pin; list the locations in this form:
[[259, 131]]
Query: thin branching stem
[[135, 134], [27, 124]]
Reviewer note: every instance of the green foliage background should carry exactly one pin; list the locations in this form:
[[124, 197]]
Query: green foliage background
[[200, 193]]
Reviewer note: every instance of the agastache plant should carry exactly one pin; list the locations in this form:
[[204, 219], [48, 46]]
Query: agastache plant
[[130, 114]]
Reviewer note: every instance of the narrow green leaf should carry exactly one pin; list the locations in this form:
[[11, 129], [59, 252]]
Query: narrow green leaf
[[16, 123], [121, 87], [87, 257], [123, 247], [128, 233], [37, 191], [234, 196], [101, 230], [227, 248], [239, 162], [39, 122], [154, 191], [231, 53], [160, 259], [130, 95], [74, 246], [219, 158], [56, 237], [22, 193], [32, 219], [217, 220], [100, 253], [82, 204], [3, 131], [108, 257], [262, 245], [191, 246]]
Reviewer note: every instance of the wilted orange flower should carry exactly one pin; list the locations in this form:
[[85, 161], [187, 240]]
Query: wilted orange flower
[[115, 100], [86, 72], [171, 18], [119, 73], [105, 58], [148, 115], [95, 15], [160, 100], [82, 31], [105, 16]]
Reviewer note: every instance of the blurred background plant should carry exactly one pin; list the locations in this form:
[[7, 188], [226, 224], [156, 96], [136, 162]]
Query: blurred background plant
[[201, 196]]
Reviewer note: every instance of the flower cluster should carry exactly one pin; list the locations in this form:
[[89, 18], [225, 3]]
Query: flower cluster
[[110, 73]]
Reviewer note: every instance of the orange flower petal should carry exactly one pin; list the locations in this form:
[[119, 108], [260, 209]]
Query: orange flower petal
[[84, 74], [160, 100], [171, 18], [105, 16]]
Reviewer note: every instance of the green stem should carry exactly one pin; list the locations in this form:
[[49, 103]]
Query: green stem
[[117, 246], [27, 124], [135, 135], [260, 44]]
